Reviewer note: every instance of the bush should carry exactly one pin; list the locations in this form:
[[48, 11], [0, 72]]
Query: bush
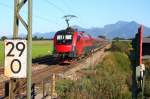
[[63, 86], [121, 46], [3, 38], [117, 60], [109, 81]]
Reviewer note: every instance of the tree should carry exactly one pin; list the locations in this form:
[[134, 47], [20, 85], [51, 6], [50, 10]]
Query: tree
[[118, 38], [35, 38], [102, 36], [41, 38], [3, 38]]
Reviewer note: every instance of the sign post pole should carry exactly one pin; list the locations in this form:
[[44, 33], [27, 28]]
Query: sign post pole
[[29, 50], [16, 20], [138, 67], [15, 35], [11, 87]]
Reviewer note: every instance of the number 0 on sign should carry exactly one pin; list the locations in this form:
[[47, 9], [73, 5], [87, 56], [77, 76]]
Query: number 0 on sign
[[15, 58]]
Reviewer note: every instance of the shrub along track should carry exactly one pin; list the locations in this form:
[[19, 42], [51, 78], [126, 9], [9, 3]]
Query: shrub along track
[[43, 68]]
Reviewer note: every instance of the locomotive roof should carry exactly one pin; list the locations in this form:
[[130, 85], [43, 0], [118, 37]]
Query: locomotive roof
[[69, 29]]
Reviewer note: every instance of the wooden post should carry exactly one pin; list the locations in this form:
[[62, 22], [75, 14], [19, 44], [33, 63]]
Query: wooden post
[[43, 88], [11, 88], [53, 86]]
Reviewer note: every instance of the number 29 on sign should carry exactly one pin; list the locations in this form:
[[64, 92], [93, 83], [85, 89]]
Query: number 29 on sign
[[15, 58]]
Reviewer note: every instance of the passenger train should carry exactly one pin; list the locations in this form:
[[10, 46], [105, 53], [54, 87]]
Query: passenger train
[[71, 43]]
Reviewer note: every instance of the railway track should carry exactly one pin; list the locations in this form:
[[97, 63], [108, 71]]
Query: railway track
[[51, 66], [57, 68]]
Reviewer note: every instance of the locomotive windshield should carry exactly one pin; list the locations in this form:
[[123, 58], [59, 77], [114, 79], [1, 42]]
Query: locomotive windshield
[[64, 39]]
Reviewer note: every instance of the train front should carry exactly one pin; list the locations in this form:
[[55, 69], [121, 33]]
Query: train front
[[64, 43]]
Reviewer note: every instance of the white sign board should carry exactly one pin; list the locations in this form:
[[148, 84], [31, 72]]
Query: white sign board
[[15, 58]]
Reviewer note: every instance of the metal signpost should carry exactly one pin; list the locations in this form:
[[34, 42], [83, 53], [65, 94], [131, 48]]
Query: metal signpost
[[18, 53], [138, 67]]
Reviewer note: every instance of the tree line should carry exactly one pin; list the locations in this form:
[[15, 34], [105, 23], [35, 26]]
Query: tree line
[[33, 38]]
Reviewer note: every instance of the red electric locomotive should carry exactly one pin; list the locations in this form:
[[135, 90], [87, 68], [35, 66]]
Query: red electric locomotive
[[70, 43]]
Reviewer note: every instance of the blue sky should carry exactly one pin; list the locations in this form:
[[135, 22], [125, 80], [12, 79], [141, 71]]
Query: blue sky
[[47, 16]]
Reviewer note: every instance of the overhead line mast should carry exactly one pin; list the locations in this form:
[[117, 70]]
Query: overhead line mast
[[18, 5]]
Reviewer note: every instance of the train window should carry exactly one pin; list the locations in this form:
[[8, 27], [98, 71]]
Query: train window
[[60, 37], [68, 37], [64, 39]]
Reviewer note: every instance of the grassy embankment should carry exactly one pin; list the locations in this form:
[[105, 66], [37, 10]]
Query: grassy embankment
[[110, 79], [39, 49]]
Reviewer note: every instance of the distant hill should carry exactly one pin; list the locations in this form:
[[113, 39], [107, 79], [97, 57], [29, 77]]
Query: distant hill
[[121, 29]]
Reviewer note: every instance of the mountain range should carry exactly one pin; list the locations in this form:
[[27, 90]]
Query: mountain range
[[121, 29]]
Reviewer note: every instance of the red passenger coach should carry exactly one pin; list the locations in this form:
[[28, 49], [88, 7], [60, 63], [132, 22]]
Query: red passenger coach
[[70, 43]]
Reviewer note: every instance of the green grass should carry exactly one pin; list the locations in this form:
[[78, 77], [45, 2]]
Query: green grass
[[110, 79], [39, 49]]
